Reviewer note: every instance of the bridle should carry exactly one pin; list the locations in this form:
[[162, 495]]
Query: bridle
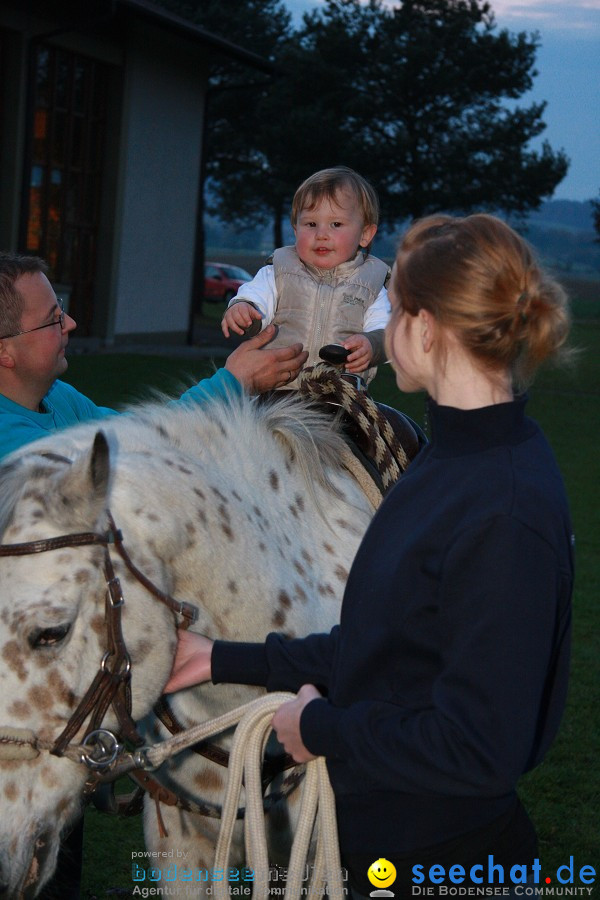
[[100, 750], [111, 685]]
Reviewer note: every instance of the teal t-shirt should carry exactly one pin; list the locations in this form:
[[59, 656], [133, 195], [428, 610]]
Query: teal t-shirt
[[63, 406]]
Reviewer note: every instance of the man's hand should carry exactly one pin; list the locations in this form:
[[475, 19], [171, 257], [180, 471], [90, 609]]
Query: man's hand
[[286, 723], [261, 369], [192, 663], [362, 353], [238, 318]]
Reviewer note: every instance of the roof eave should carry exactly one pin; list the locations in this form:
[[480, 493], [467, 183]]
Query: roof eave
[[175, 23]]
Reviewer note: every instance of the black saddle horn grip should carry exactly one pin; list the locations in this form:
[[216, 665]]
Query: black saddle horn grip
[[334, 354]]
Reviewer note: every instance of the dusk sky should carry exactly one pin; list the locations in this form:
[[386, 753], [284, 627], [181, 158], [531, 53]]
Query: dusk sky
[[568, 63]]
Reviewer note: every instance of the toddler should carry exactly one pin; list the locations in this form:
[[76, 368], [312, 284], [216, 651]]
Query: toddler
[[327, 289]]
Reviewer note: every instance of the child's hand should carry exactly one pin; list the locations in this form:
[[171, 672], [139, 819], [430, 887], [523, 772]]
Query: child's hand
[[361, 355], [239, 317]]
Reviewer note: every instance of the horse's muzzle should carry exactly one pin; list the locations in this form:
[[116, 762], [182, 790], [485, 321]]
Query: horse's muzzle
[[30, 883]]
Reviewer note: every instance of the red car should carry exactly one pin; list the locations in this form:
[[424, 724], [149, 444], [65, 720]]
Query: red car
[[221, 281]]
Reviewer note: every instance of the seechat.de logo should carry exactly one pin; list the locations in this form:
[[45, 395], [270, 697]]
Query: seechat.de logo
[[522, 879]]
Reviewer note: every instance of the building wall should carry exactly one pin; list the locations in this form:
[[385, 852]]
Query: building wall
[[151, 168], [155, 227]]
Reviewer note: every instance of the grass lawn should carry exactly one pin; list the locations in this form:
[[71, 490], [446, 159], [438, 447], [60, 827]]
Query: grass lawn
[[563, 794]]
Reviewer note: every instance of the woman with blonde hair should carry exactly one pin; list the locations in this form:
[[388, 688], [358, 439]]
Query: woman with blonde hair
[[446, 678]]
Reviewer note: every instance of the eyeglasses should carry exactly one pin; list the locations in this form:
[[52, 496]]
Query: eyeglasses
[[60, 321]]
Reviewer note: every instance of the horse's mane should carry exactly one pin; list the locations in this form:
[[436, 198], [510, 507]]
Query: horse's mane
[[310, 438]]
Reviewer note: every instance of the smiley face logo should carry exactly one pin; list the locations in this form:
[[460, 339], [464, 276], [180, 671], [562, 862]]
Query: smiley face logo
[[382, 873]]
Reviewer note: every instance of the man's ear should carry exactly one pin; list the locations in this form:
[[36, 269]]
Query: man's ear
[[6, 358], [369, 232]]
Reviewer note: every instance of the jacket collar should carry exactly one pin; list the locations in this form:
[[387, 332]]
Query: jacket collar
[[459, 431], [340, 271]]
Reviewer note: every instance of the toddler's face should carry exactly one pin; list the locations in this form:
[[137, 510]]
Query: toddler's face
[[332, 231]]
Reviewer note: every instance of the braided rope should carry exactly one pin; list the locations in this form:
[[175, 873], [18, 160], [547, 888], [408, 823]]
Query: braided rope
[[317, 812], [367, 484], [324, 382]]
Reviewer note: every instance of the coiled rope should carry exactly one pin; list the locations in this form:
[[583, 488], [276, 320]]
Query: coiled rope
[[323, 382], [317, 811]]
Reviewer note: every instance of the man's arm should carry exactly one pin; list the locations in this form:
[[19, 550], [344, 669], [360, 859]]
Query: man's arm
[[18, 433], [62, 406], [252, 367], [249, 366]]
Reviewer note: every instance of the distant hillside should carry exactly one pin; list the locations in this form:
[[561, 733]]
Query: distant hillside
[[565, 213], [562, 232]]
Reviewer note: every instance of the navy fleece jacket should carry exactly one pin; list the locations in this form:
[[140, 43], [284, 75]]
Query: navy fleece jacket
[[447, 676]]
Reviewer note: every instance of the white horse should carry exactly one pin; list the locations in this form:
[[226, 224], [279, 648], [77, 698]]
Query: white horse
[[240, 509]]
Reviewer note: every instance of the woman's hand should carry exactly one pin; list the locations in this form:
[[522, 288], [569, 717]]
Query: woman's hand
[[286, 723], [192, 663]]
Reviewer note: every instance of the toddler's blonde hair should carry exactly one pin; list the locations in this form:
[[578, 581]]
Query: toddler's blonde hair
[[327, 183]]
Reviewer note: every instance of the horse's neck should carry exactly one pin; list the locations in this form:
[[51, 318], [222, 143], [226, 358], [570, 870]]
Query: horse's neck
[[230, 522]]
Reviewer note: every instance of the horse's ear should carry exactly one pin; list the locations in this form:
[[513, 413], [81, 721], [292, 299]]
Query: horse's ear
[[83, 488], [100, 463]]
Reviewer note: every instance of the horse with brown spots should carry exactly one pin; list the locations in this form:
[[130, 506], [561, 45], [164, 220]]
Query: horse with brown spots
[[238, 508]]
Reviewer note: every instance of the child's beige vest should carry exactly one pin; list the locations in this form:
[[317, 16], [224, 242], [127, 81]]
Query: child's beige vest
[[325, 306]]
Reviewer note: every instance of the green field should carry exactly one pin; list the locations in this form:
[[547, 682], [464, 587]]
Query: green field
[[563, 794]]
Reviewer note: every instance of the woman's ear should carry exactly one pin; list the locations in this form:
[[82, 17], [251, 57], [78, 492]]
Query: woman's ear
[[427, 325]]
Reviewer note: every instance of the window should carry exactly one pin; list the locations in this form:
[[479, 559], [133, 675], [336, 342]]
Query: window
[[65, 172]]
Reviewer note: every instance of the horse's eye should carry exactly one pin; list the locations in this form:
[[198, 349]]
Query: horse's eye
[[48, 637]]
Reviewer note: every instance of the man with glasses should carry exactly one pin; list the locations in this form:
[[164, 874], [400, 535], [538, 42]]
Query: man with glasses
[[34, 333]]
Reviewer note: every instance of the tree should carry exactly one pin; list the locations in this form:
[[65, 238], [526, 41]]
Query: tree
[[265, 136], [421, 98], [431, 82], [596, 217], [240, 184], [292, 128]]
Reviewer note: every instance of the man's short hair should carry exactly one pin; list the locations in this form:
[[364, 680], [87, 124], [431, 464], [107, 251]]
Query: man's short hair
[[12, 266]]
